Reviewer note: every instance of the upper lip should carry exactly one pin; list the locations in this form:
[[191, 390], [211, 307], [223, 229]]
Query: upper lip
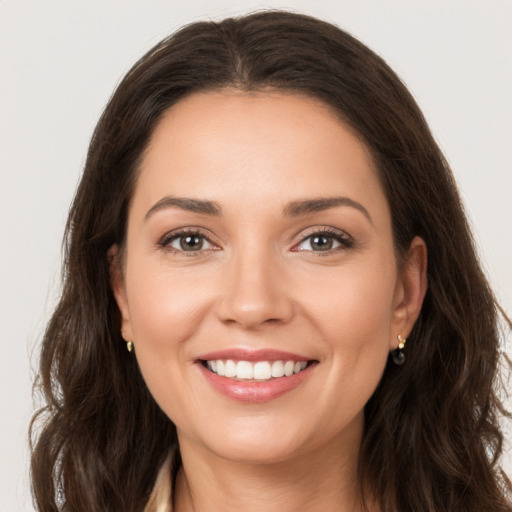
[[243, 354]]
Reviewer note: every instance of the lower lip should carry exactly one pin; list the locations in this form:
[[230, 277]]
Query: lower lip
[[254, 392]]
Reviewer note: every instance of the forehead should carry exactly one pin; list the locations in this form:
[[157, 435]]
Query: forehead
[[262, 147]]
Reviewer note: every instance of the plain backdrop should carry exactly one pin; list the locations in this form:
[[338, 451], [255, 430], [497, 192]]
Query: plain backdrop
[[59, 63]]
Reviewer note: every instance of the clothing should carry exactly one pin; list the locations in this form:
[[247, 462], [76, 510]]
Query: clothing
[[161, 495]]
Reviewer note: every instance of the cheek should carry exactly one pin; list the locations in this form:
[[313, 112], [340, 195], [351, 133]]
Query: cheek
[[353, 305], [165, 312], [166, 307], [354, 320]]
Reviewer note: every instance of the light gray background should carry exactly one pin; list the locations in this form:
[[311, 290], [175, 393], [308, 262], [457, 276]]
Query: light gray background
[[60, 61]]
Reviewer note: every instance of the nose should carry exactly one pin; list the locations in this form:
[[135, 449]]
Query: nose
[[255, 291]]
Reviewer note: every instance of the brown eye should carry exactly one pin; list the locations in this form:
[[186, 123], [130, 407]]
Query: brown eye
[[191, 242], [321, 242], [325, 241], [188, 242]]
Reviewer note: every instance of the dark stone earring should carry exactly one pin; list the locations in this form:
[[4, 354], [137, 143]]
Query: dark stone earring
[[398, 355]]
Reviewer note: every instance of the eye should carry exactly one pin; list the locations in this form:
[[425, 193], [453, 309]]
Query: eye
[[324, 241], [186, 242], [190, 242], [318, 243]]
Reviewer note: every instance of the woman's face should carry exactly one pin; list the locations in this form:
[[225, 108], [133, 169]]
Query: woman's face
[[259, 242]]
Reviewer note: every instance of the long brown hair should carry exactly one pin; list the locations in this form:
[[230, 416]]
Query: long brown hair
[[432, 439]]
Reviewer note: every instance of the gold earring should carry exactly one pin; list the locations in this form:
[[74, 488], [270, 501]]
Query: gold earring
[[398, 354], [129, 346]]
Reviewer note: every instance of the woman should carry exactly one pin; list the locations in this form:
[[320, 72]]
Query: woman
[[271, 298]]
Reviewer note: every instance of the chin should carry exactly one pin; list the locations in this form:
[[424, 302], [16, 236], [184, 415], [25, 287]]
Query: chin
[[257, 453], [253, 441]]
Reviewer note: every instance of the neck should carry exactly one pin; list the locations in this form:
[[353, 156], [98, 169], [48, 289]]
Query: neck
[[321, 479]]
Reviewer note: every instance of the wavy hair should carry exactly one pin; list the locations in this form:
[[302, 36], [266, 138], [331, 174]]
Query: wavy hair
[[432, 439]]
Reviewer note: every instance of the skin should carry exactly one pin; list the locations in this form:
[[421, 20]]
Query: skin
[[258, 282]]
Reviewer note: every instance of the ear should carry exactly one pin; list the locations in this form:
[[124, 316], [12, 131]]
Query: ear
[[118, 288], [410, 291]]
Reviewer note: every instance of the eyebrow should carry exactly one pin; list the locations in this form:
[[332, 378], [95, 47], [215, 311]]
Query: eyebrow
[[307, 206], [185, 203], [292, 209]]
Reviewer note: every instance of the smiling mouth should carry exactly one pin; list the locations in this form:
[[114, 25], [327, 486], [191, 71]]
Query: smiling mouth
[[258, 371]]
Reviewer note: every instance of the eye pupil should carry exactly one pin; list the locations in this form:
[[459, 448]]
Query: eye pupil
[[321, 243], [191, 243]]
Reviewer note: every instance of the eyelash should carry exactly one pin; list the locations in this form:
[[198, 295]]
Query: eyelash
[[345, 241], [168, 238]]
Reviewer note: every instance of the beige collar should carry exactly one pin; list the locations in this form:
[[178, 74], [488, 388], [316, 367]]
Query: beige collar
[[161, 495]]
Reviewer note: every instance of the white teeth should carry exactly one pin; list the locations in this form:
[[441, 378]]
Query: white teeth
[[261, 370], [230, 369], [299, 366], [278, 369], [244, 370], [288, 368]]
